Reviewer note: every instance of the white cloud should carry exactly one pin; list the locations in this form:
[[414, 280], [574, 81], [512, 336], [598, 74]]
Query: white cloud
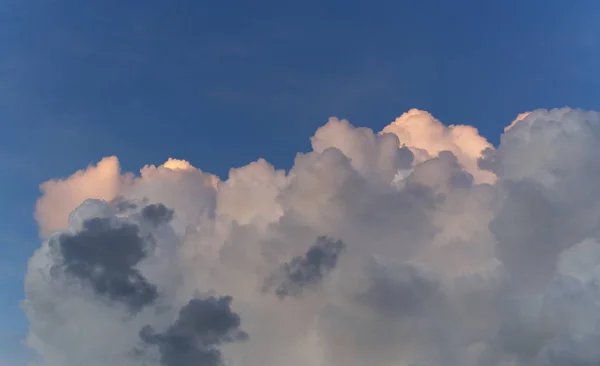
[[444, 263], [61, 196], [520, 117], [427, 137]]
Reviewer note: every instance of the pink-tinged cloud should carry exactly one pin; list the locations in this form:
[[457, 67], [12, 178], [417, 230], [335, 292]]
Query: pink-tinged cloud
[[61, 196], [427, 137]]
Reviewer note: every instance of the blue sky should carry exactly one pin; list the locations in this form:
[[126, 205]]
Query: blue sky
[[223, 83]]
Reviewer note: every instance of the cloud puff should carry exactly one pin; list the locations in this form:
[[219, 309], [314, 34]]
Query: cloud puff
[[170, 184], [202, 325], [419, 245], [61, 196], [305, 271], [107, 274], [427, 137], [105, 256]]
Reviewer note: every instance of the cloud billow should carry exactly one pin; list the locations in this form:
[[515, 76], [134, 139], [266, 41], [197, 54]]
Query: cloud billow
[[420, 244]]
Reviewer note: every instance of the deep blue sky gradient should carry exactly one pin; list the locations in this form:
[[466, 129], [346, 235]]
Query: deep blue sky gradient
[[223, 83]]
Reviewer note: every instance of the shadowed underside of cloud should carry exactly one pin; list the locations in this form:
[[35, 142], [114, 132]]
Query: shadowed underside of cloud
[[306, 271], [106, 257], [202, 325], [421, 244]]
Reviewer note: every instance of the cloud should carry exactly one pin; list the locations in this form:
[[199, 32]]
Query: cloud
[[157, 213], [171, 184], [419, 245], [202, 325], [61, 196], [427, 137], [520, 117], [375, 157], [397, 289], [305, 271], [110, 275], [105, 257]]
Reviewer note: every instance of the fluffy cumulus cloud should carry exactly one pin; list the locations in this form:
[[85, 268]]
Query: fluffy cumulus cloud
[[421, 244], [427, 137]]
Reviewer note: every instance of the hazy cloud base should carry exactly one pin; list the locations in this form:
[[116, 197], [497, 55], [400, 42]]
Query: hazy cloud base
[[419, 245]]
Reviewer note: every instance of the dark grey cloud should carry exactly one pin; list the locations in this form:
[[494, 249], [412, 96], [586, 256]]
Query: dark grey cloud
[[487, 161], [569, 350], [398, 289], [292, 277], [193, 339], [122, 204], [157, 213], [105, 254]]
